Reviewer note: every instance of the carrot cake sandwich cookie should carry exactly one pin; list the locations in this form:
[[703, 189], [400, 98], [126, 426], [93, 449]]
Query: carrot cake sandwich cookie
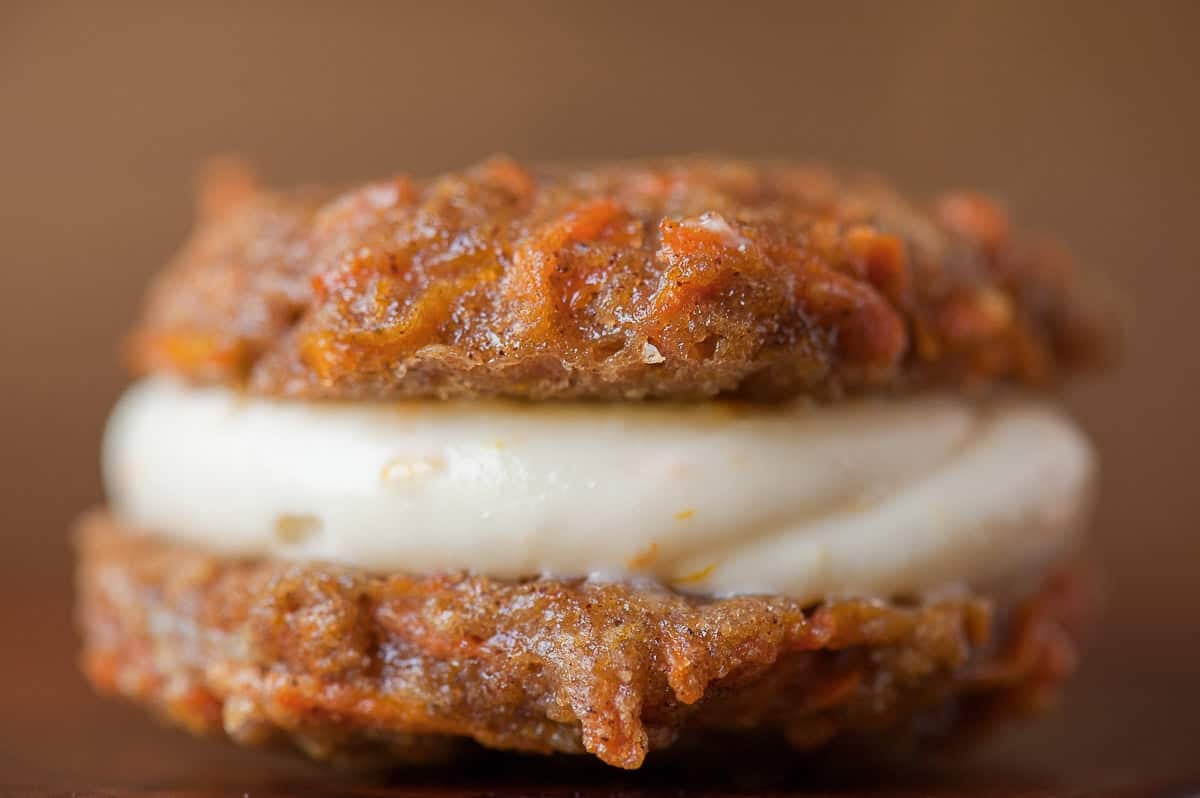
[[598, 460]]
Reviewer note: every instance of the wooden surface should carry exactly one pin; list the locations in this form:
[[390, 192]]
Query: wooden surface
[[1176, 789], [293, 790], [1083, 116]]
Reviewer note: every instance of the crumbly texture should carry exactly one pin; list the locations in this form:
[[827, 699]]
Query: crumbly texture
[[677, 279], [348, 665]]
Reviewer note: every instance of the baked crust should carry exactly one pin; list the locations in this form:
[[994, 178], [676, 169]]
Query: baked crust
[[678, 279], [346, 664]]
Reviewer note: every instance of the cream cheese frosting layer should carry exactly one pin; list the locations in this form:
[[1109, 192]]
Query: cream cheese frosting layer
[[862, 498]]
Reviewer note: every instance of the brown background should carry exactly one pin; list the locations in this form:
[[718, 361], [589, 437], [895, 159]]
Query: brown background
[[1083, 117]]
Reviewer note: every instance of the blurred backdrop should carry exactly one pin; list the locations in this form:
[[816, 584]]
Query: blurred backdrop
[[1083, 117]]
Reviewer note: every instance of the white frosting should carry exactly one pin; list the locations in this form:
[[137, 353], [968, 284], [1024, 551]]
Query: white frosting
[[861, 498]]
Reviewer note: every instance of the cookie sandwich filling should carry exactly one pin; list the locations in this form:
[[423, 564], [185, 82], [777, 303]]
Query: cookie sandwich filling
[[864, 498]]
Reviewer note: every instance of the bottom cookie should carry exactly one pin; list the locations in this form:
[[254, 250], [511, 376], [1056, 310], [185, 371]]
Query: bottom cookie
[[359, 667]]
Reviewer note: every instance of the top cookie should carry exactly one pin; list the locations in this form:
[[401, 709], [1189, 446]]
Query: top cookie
[[679, 279]]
